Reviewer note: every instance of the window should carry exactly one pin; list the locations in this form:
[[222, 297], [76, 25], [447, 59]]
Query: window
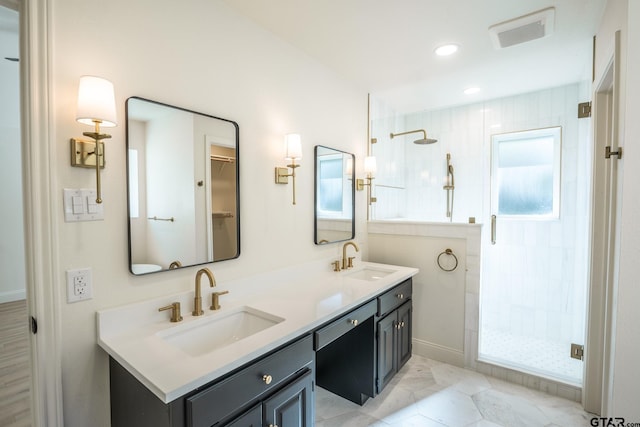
[[331, 181], [525, 173]]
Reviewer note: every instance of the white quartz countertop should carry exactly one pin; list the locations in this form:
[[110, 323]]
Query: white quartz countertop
[[304, 297]]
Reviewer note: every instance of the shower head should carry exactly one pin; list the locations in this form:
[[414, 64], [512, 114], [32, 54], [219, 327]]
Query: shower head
[[421, 141]]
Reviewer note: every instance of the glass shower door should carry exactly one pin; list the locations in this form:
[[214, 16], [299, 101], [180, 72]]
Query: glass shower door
[[532, 295]]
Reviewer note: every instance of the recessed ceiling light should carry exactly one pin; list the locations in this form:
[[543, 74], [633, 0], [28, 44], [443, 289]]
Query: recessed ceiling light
[[447, 49], [471, 90]]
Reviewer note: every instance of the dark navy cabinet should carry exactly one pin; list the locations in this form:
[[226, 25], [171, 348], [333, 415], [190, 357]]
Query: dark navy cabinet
[[277, 386], [393, 332]]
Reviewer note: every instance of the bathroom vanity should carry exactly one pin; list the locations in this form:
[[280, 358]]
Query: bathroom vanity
[[348, 332]]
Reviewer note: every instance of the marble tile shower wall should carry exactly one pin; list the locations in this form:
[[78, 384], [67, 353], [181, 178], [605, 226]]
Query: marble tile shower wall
[[549, 303], [409, 183]]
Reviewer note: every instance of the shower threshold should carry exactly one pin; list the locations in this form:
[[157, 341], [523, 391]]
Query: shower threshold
[[546, 359]]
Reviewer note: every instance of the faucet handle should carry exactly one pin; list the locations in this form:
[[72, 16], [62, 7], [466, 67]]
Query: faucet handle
[[175, 311], [215, 299], [336, 265], [350, 263]]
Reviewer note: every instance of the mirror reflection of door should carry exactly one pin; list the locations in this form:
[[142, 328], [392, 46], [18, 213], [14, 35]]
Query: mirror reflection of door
[[15, 375], [176, 200], [221, 202]]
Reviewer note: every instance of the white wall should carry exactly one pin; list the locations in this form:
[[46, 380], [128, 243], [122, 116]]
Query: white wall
[[627, 339], [202, 56], [445, 303], [12, 264]]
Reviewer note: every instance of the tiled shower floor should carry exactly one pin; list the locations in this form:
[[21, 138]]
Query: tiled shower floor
[[536, 356]]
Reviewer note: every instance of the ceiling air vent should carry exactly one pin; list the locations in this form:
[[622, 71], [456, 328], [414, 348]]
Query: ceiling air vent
[[533, 26]]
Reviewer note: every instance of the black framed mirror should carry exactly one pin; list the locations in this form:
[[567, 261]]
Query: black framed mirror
[[183, 187], [334, 195]]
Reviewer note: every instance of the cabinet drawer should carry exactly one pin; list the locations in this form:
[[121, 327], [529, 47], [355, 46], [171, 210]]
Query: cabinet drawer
[[344, 324], [227, 396], [394, 297]]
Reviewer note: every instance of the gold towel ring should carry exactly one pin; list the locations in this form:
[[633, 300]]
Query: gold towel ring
[[450, 253]]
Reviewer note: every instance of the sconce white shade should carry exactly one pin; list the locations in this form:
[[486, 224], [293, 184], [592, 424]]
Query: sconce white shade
[[370, 165], [349, 167], [293, 146], [96, 101]]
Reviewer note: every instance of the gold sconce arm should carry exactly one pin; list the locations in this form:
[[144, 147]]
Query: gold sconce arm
[[282, 176], [293, 149], [96, 107], [360, 184]]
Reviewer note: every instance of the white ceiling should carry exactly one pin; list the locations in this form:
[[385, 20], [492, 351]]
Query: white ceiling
[[387, 46]]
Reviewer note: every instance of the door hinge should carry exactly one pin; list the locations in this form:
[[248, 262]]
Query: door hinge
[[577, 351], [608, 153], [584, 110], [34, 325]]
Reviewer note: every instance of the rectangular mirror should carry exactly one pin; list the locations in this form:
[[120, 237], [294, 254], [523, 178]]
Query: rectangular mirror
[[183, 187], [334, 195]]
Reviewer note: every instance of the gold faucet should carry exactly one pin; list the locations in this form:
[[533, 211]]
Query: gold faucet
[[197, 301], [175, 311], [348, 262], [215, 300]]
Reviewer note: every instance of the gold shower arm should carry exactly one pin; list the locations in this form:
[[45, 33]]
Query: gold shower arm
[[424, 133]]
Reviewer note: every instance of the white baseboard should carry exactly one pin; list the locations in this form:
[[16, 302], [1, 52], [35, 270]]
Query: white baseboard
[[13, 296], [438, 352]]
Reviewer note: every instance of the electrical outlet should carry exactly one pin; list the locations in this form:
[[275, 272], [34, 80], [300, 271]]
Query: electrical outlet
[[79, 285]]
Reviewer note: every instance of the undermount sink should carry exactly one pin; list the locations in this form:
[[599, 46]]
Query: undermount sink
[[370, 274], [219, 330]]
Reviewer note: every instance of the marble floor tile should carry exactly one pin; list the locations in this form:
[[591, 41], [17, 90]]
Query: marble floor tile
[[329, 405], [450, 407], [433, 394], [509, 410]]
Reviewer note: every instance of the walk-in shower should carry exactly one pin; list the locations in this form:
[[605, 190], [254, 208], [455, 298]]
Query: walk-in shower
[[449, 187], [422, 141]]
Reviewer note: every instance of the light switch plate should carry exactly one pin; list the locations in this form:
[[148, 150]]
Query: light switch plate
[[80, 205]]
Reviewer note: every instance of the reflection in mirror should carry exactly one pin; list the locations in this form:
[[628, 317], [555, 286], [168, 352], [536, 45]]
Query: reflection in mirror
[[183, 187], [334, 195]]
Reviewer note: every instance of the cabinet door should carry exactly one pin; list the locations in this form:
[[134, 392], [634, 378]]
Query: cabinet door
[[404, 334], [387, 353], [292, 406], [251, 418]]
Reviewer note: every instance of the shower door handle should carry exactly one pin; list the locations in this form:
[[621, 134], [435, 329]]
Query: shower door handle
[[493, 229]]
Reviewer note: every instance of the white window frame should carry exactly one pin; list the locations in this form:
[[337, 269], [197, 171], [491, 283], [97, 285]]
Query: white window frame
[[553, 132]]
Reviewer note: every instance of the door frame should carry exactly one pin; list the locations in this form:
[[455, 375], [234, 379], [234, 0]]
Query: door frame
[[39, 186], [605, 233]]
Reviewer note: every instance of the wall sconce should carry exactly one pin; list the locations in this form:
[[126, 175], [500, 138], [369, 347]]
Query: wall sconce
[[370, 169], [96, 106], [293, 149]]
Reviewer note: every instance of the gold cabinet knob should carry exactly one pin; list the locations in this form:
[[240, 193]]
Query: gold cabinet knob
[[400, 296], [273, 425], [354, 322], [267, 379]]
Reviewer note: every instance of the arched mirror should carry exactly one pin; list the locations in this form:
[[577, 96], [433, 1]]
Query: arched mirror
[[334, 195], [183, 185]]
